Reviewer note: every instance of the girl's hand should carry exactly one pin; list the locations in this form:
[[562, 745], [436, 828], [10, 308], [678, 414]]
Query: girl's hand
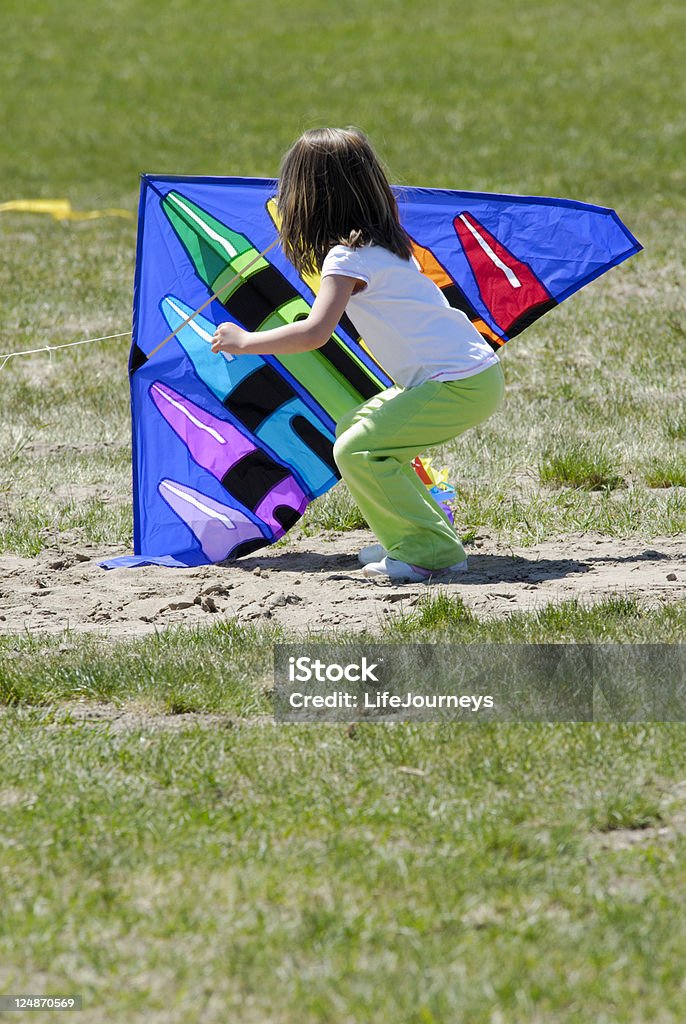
[[299, 336], [229, 338]]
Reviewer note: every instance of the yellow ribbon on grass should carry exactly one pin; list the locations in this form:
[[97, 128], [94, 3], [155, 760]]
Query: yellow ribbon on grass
[[60, 209]]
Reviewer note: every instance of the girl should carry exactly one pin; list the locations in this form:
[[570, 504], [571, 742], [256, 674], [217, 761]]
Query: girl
[[339, 218]]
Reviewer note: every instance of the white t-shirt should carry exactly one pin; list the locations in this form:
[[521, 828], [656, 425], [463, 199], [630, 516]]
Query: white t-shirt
[[405, 319]]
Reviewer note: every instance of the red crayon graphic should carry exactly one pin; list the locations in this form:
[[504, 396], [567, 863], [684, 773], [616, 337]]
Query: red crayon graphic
[[510, 290], [430, 267]]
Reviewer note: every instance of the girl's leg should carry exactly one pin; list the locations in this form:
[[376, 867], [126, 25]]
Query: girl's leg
[[376, 444]]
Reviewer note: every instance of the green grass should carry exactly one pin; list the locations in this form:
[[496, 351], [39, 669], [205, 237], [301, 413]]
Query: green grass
[[675, 425], [335, 510], [31, 527], [529, 518], [525, 874], [667, 472], [228, 668], [575, 465], [611, 620], [219, 669], [302, 874]]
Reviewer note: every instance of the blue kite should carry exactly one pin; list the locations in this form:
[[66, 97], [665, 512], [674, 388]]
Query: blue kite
[[229, 451]]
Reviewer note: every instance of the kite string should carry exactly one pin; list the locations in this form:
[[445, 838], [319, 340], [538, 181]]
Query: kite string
[[88, 341], [224, 287], [6, 356]]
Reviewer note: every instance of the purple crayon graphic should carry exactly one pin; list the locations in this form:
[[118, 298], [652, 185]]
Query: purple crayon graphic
[[264, 486], [221, 530]]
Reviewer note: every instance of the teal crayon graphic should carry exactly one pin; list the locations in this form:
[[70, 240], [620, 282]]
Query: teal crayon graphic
[[259, 398], [259, 297]]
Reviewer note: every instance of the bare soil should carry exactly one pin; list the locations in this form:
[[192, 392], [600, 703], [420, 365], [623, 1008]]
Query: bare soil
[[312, 584]]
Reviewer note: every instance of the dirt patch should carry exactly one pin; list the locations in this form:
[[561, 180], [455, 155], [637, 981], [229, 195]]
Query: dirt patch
[[315, 583]]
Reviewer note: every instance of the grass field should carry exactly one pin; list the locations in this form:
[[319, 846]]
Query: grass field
[[190, 860]]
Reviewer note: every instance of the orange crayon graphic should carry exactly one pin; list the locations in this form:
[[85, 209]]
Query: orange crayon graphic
[[430, 266]]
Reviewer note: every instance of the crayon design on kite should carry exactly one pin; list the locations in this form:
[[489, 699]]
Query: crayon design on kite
[[262, 298], [286, 403], [221, 530], [510, 290], [262, 485], [227, 452], [430, 266], [313, 281], [262, 400]]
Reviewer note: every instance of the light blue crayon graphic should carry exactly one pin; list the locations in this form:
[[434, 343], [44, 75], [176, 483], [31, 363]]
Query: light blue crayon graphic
[[259, 398]]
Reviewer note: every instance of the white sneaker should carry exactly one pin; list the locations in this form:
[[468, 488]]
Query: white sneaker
[[401, 572], [374, 553]]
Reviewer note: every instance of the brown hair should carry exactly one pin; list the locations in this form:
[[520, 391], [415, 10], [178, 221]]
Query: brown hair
[[333, 190]]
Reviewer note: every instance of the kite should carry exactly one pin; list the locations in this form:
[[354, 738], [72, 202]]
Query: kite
[[229, 451]]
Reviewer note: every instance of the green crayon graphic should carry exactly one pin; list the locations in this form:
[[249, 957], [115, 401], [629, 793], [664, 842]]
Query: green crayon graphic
[[262, 298]]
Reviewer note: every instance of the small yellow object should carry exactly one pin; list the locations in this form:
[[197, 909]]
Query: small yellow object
[[60, 209], [437, 476]]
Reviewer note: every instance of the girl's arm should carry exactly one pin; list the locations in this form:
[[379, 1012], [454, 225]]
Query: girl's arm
[[301, 336]]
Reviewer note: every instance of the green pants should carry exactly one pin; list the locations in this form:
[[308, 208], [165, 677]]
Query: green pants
[[376, 443]]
